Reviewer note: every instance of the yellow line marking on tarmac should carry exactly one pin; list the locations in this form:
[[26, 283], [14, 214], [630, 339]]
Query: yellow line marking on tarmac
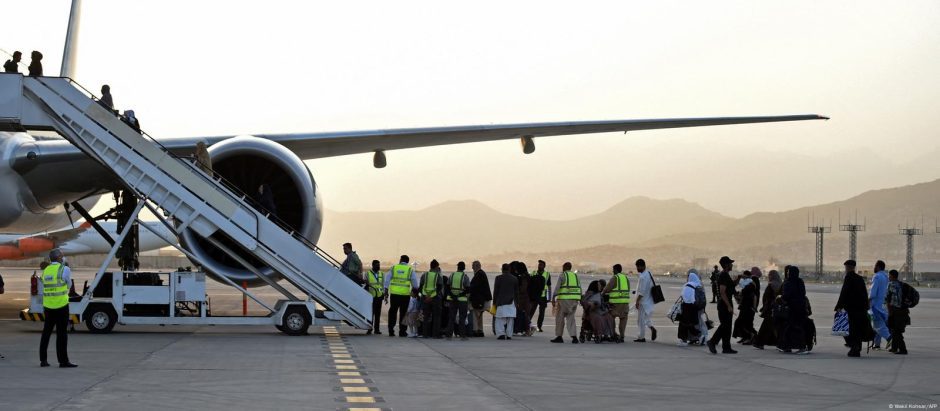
[[356, 389], [365, 409], [344, 361], [340, 355], [370, 400], [347, 367], [349, 374], [352, 381]]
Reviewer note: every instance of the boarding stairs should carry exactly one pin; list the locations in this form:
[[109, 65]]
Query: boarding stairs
[[190, 197]]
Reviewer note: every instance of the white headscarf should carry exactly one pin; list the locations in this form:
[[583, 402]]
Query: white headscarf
[[688, 292]]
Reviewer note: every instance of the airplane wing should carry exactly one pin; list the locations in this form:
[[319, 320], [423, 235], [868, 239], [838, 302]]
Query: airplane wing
[[310, 146], [66, 234], [330, 144]]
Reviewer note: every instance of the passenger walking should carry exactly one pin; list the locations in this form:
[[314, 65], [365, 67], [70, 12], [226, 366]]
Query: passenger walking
[[204, 162], [411, 319], [714, 280], [544, 296], [565, 301], [432, 286], [12, 65], [618, 288], [55, 303], [457, 296], [536, 291], [35, 64], [879, 313], [725, 309], [767, 334], [374, 280], [1, 292], [266, 198], [597, 313], [480, 297], [399, 282], [505, 289], [644, 303], [352, 265], [747, 307], [854, 300], [898, 314], [693, 300], [521, 273], [796, 313], [107, 101]]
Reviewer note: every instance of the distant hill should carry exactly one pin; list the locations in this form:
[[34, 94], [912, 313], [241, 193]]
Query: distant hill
[[672, 231], [463, 229]]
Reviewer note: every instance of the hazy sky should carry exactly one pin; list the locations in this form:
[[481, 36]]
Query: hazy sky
[[193, 68]]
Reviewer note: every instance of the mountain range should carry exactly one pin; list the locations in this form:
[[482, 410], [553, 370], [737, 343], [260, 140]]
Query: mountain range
[[670, 231]]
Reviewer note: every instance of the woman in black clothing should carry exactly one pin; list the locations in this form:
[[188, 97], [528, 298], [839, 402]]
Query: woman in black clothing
[[767, 335], [794, 297], [744, 326]]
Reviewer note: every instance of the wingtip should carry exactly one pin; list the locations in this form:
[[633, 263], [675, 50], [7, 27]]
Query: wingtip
[[822, 117]]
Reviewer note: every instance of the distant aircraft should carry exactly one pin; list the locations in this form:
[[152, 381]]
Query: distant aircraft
[[75, 241]]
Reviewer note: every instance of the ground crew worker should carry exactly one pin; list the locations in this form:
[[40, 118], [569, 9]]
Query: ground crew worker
[[546, 291], [55, 303], [431, 288], [565, 302], [457, 296], [618, 288], [399, 282], [375, 281]]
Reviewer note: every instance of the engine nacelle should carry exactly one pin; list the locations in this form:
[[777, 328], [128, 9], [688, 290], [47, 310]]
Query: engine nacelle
[[248, 162]]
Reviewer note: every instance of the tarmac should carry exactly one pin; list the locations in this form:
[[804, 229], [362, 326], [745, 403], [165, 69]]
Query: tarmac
[[257, 368]]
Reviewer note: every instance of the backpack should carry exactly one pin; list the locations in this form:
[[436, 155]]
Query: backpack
[[701, 301], [909, 296]]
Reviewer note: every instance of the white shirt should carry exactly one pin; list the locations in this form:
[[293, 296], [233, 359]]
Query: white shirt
[[645, 289]]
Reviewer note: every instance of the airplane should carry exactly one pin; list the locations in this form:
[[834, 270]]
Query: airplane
[[76, 241], [40, 174]]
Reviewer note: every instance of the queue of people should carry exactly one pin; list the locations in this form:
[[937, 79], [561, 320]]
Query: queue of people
[[437, 305]]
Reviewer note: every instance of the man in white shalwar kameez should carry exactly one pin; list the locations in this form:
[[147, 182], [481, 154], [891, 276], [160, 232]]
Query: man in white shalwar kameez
[[644, 303]]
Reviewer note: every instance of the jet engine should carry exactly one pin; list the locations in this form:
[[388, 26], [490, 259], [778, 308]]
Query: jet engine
[[248, 162]]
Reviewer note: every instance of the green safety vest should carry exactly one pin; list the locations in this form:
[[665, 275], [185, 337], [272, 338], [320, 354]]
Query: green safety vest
[[430, 284], [456, 290], [568, 291], [621, 292], [376, 282], [55, 292], [547, 276], [400, 284]]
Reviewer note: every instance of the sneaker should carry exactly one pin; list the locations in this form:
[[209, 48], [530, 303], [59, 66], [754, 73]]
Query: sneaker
[[558, 340], [901, 352], [711, 347], [369, 332], [67, 365], [501, 337], [786, 351], [540, 329], [508, 338], [654, 333], [640, 340], [728, 351], [876, 348], [43, 364], [759, 347], [377, 332], [574, 340], [802, 352], [681, 343]]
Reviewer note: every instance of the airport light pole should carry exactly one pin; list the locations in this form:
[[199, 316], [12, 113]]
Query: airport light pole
[[909, 260]]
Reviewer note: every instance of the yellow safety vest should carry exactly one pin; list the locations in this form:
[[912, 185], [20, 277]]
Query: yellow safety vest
[[547, 276], [568, 291], [400, 284], [456, 289], [55, 292], [430, 284], [621, 292], [376, 281]]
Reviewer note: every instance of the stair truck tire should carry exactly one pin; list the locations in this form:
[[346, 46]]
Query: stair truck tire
[[100, 318], [296, 320]]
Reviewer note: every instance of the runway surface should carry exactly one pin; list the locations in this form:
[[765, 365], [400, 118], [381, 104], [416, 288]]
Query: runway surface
[[235, 368]]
